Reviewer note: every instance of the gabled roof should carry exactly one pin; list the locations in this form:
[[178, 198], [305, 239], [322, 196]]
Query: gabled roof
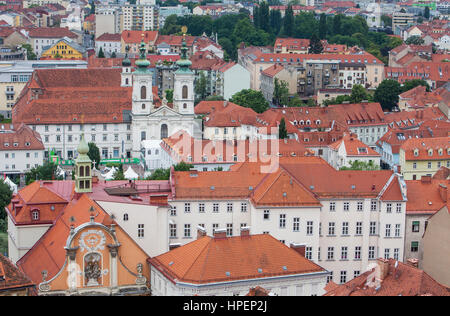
[[403, 280], [135, 37], [210, 260], [50, 32], [424, 145], [11, 277], [354, 147], [425, 196], [22, 138]]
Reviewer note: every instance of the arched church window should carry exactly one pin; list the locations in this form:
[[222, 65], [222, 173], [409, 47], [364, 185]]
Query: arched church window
[[143, 135], [185, 92], [87, 171], [184, 106], [164, 131], [143, 92]]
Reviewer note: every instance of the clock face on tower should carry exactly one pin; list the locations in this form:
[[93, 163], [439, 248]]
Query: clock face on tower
[[92, 240]]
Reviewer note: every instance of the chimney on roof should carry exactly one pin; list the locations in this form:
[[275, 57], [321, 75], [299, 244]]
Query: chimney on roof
[[245, 231], [225, 103], [220, 233], [201, 232], [383, 269], [425, 179], [413, 262], [300, 248], [443, 192]]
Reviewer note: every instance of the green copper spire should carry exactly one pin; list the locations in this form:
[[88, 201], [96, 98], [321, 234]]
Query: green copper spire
[[83, 149], [142, 63], [126, 61], [184, 63]]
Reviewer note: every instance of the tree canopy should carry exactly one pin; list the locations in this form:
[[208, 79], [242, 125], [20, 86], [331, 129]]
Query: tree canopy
[[387, 94], [251, 99], [45, 172]]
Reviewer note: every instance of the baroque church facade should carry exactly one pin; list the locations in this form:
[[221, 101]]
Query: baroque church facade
[[117, 109]]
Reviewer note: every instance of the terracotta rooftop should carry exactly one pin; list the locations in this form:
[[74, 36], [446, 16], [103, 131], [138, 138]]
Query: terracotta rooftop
[[135, 37], [426, 196], [354, 147], [437, 148], [272, 71], [11, 278], [21, 138], [107, 37], [403, 280], [50, 32], [210, 260]]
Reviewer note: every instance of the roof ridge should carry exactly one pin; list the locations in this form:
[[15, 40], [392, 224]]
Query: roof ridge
[[198, 256]]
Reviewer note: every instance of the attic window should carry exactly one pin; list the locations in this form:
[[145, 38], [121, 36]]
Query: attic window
[[27, 144], [6, 144], [38, 119], [16, 144], [430, 152], [35, 215], [362, 150]]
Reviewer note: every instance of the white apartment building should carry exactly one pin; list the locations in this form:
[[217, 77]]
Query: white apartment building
[[140, 17], [20, 149], [344, 232]]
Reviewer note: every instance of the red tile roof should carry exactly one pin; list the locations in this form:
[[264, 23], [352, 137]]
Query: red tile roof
[[11, 278], [403, 280], [210, 260], [135, 37], [225, 114], [107, 37], [292, 43], [424, 145], [21, 138], [272, 71], [425, 196], [50, 32], [175, 40], [354, 147]]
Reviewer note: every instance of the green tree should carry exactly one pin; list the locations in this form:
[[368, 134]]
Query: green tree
[[415, 40], [315, 45], [323, 26], [337, 24], [411, 84], [358, 94], [94, 154], [119, 173], [280, 92], [45, 172], [182, 166], [361, 165], [101, 54], [282, 132], [113, 55], [251, 99], [200, 86], [288, 22], [387, 94], [5, 199], [215, 98], [276, 21], [159, 174], [264, 17], [30, 54], [387, 20], [426, 13]]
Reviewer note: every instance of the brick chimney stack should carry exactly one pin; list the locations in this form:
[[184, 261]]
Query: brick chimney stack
[[220, 233], [245, 231], [383, 269], [443, 192], [201, 232]]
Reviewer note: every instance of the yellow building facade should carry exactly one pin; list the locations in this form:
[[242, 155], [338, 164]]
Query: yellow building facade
[[424, 156], [63, 50]]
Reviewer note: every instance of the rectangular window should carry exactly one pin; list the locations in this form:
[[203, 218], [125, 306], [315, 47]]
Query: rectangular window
[[415, 226], [282, 220], [357, 253], [344, 253], [396, 253], [309, 228], [173, 230], [389, 208], [360, 206], [243, 207], [332, 206], [399, 208], [330, 254], [373, 205], [387, 253], [187, 207], [346, 206], [345, 228], [266, 214], [414, 246], [229, 230], [343, 277], [140, 230], [373, 228], [201, 207], [215, 207], [330, 277], [331, 229], [187, 230], [296, 224], [359, 228], [215, 226], [397, 230], [229, 207], [356, 273], [173, 211], [371, 252], [308, 253], [388, 230]]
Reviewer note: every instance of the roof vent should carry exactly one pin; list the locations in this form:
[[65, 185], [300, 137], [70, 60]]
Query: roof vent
[[170, 263], [311, 187], [353, 187], [212, 187], [228, 273], [284, 268], [284, 194], [250, 188], [260, 270]]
